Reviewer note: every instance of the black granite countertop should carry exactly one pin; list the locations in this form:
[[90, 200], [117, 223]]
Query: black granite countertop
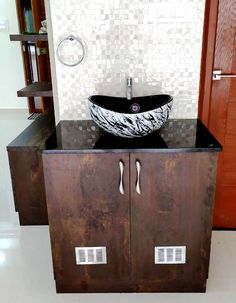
[[183, 135], [35, 134]]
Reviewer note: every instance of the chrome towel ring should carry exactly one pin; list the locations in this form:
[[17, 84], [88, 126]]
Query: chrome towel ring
[[67, 61]]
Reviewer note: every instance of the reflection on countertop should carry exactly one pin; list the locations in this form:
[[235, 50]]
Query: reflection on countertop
[[188, 135]]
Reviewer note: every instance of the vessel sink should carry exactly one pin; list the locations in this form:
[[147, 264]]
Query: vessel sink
[[137, 117]]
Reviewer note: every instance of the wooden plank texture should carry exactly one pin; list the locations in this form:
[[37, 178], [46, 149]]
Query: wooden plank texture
[[207, 60], [28, 186], [86, 209], [174, 209], [29, 37], [26, 169], [223, 114], [37, 89], [217, 101]]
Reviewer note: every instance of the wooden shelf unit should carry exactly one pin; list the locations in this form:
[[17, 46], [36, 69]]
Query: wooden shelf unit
[[36, 64]]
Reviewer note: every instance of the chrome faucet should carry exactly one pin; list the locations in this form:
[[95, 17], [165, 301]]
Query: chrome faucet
[[129, 93]]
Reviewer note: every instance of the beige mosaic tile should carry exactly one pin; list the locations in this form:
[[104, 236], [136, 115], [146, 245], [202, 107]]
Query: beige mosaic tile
[[157, 42]]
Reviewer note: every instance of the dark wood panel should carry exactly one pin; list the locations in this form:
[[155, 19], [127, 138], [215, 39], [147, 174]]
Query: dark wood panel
[[124, 286], [86, 209], [37, 89], [29, 37], [174, 209], [28, 186], [27, 173]]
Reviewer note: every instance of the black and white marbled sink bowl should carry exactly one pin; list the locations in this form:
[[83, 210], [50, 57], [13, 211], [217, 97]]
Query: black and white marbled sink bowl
[[114, 114]]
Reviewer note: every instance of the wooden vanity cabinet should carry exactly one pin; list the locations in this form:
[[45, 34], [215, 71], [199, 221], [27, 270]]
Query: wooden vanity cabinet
[[87, 209], [26, 168], [173, 209]]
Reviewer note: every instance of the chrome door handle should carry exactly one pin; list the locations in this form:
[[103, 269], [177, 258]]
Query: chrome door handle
[[121, 185], [138, 168], [217, 75]]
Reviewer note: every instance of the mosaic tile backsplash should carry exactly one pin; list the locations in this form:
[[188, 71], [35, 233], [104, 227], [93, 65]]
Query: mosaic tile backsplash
[[157, 42]]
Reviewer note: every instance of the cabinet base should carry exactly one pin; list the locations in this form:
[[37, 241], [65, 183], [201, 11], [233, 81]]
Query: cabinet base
[[128, 287]]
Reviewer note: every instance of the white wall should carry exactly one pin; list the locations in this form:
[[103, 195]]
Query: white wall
[[52, 60], [156, 42], [11, 64]]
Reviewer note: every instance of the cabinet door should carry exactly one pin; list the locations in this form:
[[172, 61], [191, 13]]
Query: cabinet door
[[174, 208], [86, 208]]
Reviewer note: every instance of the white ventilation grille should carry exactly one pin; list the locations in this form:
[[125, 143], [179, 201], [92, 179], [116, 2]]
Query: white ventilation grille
[[170, 254], [90, 255]]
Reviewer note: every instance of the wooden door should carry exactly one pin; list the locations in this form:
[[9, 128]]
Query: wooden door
[[218, 108], [174, 208], [87, 209]]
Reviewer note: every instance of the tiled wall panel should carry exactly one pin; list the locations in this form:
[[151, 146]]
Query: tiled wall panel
[[157, 42]]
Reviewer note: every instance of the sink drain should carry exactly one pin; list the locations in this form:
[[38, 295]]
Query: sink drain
[[135, 108]]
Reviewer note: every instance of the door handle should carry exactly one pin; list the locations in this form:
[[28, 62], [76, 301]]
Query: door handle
[[121, 185], [138, 168], [217, 75]]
